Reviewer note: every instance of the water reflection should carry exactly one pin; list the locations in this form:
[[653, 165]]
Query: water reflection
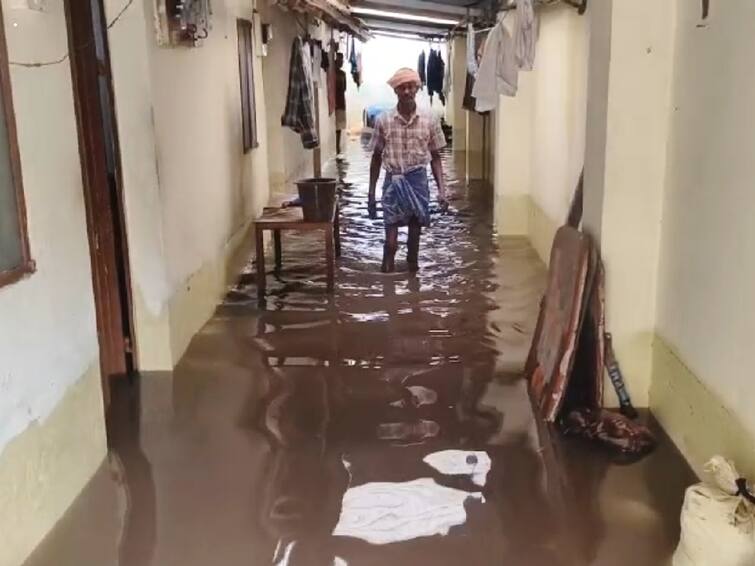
[[384, 424], [373, 393]]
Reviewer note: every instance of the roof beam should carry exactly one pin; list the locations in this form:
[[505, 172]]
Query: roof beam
[[433, 9]]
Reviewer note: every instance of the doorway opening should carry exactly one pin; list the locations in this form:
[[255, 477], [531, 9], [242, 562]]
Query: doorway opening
[[103, 188]]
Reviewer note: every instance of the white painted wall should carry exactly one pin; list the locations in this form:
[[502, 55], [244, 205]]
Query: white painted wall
[[52, 433], [188, 187], [541, 132], [706, 307], [288, 159], [208, 187], [48, 336], [559, 109]]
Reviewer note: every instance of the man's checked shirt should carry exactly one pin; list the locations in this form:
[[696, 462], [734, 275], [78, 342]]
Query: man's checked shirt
[[407, 144]]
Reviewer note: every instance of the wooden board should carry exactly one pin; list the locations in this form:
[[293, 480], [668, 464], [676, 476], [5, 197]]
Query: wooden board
[[553, 348]]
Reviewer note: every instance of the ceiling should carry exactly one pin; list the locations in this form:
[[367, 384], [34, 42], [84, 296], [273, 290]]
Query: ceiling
[[452, 10]]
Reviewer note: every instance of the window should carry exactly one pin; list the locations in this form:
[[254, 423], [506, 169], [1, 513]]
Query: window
[[246, 71], [15, 260]]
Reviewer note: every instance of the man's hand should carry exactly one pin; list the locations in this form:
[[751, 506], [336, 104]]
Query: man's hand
[[443, 203], [372, 207]]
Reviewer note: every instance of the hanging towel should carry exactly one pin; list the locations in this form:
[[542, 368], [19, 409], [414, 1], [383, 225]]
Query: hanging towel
[[299, 113], [498, 72], [422, 70], [356, 64], [525, 34], [471, 51]]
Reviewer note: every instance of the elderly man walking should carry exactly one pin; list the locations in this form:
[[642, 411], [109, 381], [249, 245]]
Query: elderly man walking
[[405, 141]]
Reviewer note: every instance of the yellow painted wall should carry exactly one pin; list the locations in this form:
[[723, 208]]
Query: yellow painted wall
[[702, 387], [626, 169], [541, 133]]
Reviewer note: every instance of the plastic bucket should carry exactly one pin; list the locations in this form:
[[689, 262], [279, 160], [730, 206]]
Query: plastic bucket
[[318, 197]]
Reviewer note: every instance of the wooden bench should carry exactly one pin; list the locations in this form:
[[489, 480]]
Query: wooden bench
[[277, 219]]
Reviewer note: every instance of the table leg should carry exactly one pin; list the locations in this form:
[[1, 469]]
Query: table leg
[[261, 276], [330, 257], [278, 250], [337, 228]]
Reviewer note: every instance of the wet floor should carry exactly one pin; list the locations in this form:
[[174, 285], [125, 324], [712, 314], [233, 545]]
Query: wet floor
[[384, 425]]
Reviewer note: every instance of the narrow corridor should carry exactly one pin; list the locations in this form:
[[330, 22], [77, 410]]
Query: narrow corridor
[[384, 425]]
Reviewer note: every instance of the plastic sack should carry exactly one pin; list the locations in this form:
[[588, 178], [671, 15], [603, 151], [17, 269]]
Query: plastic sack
[[718, 520]]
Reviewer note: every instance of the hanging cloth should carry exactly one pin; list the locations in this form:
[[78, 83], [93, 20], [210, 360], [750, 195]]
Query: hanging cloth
[[331, 75], [354, 61], [471, 51], [299, 113], [498, 72], [422, 70], [315, 50], [525, 34], [436, 71]]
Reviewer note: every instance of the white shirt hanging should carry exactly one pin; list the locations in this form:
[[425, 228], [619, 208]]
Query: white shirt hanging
[[525, 34], [499, 71], [471, 51]]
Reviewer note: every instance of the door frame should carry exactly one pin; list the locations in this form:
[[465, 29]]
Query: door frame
[[103, 194]]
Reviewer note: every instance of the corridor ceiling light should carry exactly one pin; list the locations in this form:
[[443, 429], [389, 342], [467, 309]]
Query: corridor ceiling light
[[402, 16], [398, 35]]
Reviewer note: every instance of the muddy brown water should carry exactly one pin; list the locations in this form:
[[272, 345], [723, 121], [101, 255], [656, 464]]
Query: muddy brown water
[[386, 424]]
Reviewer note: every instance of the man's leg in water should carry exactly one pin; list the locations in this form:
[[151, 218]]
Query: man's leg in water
[[338, 142], [389, 249], [412, 255]]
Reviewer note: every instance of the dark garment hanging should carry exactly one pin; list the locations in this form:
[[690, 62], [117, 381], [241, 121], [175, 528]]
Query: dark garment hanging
[[436, 72], [299, 112], [470, 101], [325, 60], [422, 69], [331, 77], [353, 60]]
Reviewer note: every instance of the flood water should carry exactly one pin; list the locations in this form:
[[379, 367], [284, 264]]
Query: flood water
[[385, 425]]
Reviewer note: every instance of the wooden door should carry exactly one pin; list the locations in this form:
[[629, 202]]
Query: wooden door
[[100, 163]]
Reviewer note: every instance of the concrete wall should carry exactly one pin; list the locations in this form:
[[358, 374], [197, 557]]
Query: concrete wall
[[626, 171], [702, 386], [542, 132], [52, 434], [190, 195], [190, 190]]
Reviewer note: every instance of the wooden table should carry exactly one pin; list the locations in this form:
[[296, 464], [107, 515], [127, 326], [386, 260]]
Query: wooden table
[[279, 219]]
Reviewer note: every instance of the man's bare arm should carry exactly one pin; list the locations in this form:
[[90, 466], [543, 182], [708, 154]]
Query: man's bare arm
[[436, 164], [375, 165]]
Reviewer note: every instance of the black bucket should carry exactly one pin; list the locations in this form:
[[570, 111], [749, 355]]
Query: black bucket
[[318, 197]]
